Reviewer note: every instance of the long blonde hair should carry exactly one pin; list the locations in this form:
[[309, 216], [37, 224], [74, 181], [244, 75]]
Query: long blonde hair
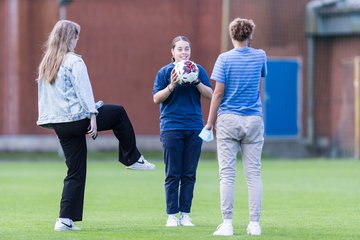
[[57, 46]]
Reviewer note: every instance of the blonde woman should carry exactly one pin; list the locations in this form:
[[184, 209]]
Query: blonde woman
[[237, 106], [66, 104]]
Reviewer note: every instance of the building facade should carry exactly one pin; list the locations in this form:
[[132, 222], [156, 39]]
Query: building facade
[[124, 43]]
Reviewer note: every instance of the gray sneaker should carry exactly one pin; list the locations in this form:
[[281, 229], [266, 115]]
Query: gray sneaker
[[65, 224], [142, 164]]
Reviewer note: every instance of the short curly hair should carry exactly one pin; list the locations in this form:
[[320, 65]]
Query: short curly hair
[[241, 29]]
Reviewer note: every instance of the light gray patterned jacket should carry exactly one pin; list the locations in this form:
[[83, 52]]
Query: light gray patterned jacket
[[70, 98]]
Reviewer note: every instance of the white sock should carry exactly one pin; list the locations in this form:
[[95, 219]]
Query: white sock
[[184, 214], [228, 221], [174, 215]]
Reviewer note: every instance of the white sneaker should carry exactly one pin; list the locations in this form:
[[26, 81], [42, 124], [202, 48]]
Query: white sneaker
[[172, 221], [142, 164], [65, 224], [253, 229], [224, 229], [185, 220]]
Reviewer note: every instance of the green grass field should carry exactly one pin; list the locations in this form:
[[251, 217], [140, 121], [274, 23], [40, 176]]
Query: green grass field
[[303, 199]]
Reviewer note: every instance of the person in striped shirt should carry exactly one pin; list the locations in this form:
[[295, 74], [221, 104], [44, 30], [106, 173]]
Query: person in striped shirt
[[236, 105]]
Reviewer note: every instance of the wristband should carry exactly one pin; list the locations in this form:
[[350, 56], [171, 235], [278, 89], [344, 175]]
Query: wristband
[[169, 89], [197, 82]]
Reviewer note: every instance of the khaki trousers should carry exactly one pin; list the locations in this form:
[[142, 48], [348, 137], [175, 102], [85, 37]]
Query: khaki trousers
[[234, 132]]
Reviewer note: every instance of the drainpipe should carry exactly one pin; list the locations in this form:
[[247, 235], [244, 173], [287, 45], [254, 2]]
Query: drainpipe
[[356, 107], [225, 20], [311, 28], [10, 92], [62, 12], [310, 90]]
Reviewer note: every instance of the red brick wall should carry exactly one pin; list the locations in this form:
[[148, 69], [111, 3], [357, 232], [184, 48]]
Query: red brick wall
[[2, 60], [280, 31], [334, 89], [19, 58], [322, 89], [124, 43], [36, 19]]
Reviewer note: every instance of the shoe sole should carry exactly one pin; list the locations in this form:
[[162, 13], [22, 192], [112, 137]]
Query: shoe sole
[[252, 234], [141, 169], [223, 234], [66, 229], [187, 225]]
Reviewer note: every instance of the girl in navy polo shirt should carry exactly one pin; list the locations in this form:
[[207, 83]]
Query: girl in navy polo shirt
[[180, 124]]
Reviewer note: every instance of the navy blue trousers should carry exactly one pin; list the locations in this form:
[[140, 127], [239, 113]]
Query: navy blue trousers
[[182, 150], [72, 137]]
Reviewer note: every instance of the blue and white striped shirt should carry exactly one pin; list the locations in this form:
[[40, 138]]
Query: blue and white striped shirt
[[241, 69]]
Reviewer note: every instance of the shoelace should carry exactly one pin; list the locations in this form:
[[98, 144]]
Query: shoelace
[[173, 217], [185, 217]]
